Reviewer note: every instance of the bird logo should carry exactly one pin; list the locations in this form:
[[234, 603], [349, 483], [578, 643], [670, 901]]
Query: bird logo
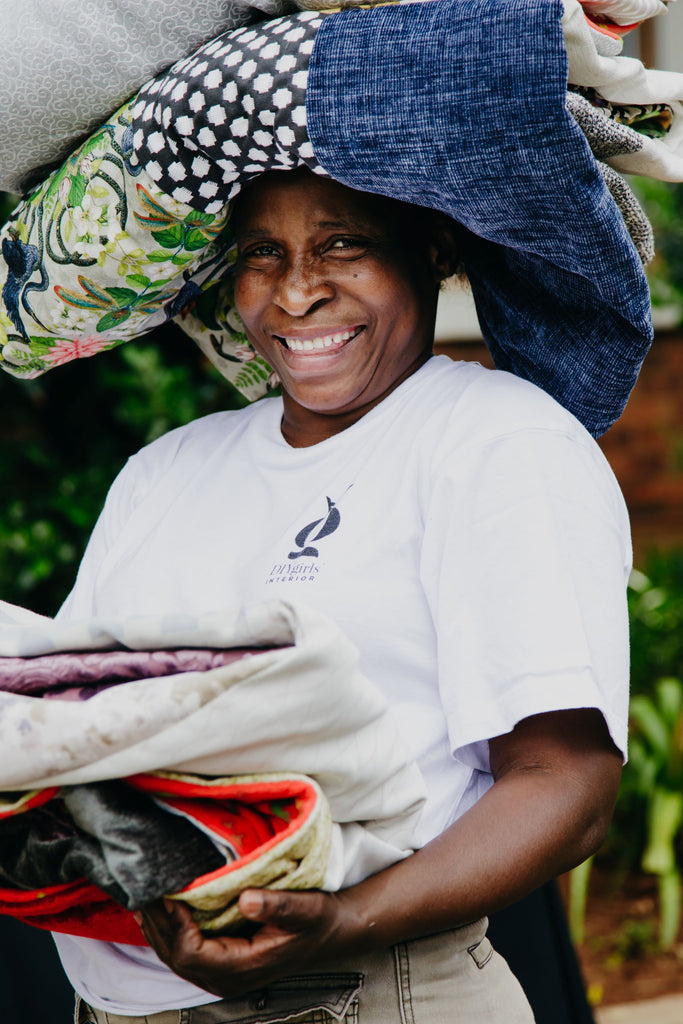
[[330, 522]]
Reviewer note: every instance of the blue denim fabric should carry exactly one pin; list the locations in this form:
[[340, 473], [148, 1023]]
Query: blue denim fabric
[[460, 105]]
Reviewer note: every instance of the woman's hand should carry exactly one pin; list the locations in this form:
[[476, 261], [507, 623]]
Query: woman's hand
[[295, 928]]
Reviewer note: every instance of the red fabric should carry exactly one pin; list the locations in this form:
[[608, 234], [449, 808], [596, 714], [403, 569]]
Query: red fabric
[[252, 816]]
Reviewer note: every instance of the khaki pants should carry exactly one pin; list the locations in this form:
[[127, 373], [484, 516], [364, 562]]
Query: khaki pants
[[454, 977]]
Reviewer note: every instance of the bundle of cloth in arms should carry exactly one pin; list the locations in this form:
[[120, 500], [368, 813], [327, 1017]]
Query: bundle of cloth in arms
[[147, 756]]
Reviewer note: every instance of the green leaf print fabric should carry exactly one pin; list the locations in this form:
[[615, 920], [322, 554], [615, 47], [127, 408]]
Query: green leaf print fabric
[[98, 255]]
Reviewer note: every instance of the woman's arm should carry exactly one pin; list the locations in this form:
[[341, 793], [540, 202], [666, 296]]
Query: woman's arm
[[556, 780]]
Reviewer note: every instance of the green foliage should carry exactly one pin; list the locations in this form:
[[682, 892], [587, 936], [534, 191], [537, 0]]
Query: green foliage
[[656, 771], [646, 830], [663, 203], [656, 615]]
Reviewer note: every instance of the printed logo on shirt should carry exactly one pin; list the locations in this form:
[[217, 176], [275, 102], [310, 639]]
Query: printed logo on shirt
[[293, 571], [329, 525]]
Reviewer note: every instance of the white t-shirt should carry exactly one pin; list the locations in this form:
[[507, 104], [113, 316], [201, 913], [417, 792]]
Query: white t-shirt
[[467, 534]]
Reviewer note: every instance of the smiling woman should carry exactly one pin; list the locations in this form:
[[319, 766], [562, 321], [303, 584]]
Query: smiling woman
[[337, 291], [466, 534]]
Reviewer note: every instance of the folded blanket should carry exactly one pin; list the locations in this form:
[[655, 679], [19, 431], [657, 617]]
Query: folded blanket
[[259, 715], [625, 81], [266, 831]]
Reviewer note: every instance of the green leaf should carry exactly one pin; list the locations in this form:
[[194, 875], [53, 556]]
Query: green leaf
[[195, 240], [139, 279], [77, 190], [121, 296], [670, 700], [158, 257], [664, 821], [198, 217], [669, 908], [651, 725], [113, 319], [171, 237]]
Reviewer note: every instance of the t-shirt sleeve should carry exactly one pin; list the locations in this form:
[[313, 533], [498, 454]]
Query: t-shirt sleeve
[[120, 502], [525, 562]]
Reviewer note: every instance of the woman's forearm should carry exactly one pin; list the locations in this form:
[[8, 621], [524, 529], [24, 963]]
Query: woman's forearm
[[529, 827], [556, 781]]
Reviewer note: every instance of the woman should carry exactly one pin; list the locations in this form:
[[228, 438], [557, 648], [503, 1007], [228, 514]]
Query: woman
[[466, 534]]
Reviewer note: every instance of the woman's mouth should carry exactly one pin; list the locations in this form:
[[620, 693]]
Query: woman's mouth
[[320, 343]]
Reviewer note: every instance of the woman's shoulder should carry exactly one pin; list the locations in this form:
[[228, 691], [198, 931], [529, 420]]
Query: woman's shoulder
[[201, 436], [479, 405]]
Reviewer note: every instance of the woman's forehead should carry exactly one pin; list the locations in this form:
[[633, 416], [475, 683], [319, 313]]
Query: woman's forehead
[[301, 199]]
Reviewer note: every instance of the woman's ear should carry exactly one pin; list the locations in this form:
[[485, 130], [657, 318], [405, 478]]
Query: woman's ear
[[444, 251]]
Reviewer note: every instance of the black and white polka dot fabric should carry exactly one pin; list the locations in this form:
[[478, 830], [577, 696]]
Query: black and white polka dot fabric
[[234, 109]]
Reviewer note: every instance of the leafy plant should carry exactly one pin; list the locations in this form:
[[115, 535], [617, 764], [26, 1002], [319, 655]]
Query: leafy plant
[[656, 620], [656, 762], [663, 203], [645, 819]]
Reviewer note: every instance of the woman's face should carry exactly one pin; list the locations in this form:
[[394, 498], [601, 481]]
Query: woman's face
[[332, 295]]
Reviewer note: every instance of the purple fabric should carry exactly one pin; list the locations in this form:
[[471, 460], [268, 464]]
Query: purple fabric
[[80, 675]]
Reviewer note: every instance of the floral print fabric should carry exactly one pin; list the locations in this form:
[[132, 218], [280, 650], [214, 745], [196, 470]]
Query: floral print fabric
[[98, 254]]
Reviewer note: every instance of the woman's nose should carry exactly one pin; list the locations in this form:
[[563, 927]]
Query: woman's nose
[[302, 288]]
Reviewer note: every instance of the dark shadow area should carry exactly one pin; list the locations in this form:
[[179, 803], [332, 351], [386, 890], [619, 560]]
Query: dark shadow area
[[33, 984]]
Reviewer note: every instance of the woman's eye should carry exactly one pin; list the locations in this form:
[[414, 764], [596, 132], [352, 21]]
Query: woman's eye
[[261, 253], [261, 250], [347, 244]]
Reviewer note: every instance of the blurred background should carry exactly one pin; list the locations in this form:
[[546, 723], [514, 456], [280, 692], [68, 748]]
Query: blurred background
[[65, 436]]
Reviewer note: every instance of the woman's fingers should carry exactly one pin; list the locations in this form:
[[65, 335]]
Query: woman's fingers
[[165, 923], [291, 911], [294, 926]]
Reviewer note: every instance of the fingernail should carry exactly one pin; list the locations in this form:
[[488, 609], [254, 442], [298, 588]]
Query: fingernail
[[251, 903]]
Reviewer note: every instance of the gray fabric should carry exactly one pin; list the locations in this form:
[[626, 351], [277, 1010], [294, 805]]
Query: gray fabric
[[635, 218], [113, 835], [606, 139], [68, 64]]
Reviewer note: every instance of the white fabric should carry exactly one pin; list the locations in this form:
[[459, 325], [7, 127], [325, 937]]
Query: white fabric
[[479, 564], [220, 722], [625, 12], [625, 80]]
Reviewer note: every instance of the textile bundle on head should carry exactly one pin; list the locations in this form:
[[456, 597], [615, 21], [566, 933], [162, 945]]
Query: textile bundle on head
[[462, 107], [219, 720]]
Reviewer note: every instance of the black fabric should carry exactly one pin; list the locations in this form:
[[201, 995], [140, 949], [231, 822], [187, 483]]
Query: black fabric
[[533, 936], [115, 836], [232, 111], [34, 988]]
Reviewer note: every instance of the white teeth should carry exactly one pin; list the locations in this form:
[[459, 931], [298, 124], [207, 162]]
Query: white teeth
[[317, 344]]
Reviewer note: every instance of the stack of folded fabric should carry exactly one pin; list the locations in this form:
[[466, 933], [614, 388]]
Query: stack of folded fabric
[[192, 759]]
